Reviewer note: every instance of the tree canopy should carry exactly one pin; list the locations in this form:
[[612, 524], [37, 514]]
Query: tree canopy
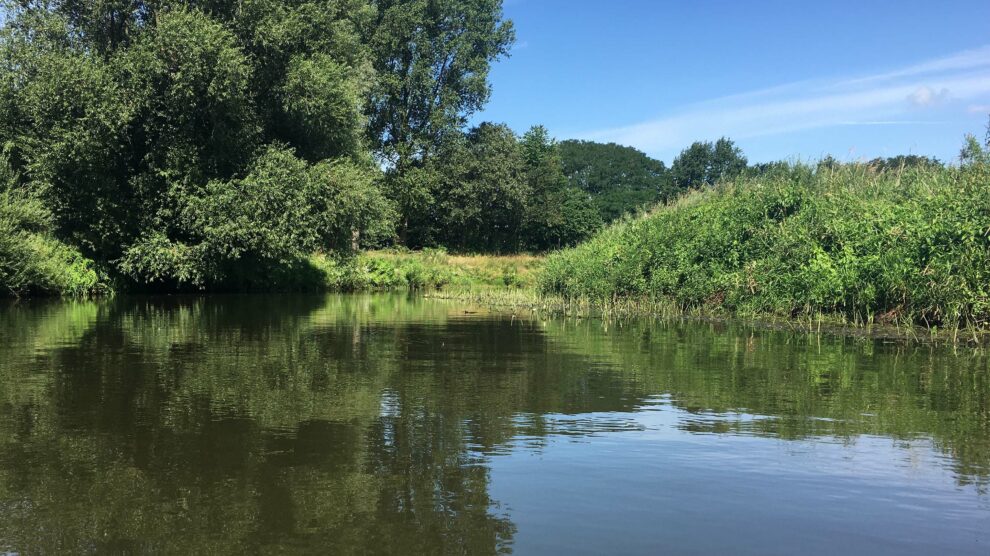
[[704, 163], [187, 142], [619, 179], [489, 190], [432, 59]]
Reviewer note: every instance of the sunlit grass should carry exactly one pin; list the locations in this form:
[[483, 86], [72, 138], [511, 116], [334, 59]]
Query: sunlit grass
[[427, 269]]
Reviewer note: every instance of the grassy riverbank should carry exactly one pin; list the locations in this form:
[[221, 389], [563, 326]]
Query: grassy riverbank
[[32, 260], [851, 244], [429, 269], [804, 246], [49, 268]]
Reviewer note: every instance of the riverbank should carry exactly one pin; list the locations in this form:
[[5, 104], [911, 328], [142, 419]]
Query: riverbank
[[901, 253], [621, 311], [69, 274], [849, 245], [428, 269]]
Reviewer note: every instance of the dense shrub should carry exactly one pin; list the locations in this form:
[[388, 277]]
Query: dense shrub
[[31, 259], [911, 244], [243, 231], [182, 145]]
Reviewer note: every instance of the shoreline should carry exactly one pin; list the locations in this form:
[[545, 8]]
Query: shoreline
[[630, 309]]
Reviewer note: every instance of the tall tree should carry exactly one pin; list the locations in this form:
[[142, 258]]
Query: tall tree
[[619, 179], [705, 163], [727, 161], [557, 214], [482, 194], [432, 59], [415, 192]]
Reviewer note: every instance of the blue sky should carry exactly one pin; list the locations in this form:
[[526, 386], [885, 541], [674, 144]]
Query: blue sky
[[786, 80]]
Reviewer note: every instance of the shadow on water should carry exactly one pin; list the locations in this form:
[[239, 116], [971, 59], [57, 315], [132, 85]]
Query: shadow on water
[[367, 423]]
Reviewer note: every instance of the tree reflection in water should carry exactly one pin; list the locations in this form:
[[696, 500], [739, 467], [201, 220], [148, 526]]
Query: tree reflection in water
[[366, 423]]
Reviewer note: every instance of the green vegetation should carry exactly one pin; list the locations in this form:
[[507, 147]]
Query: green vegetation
[[185, 145], [620, 180], [706, 163], [262, 145], [32, 260], [391, 269], [491, 191], [178, 147], [428, 269], [906, 246]]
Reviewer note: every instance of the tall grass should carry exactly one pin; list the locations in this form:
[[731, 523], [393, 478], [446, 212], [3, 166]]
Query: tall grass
[[32, 260], [429, 269], [910, 246]]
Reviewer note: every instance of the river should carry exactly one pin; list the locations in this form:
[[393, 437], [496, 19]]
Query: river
[[395, 424]]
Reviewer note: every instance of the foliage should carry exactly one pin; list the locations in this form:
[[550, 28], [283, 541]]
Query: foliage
[[414, 192], [483, 191], [240, 144], [428, 269], [322, 102], [490, 191], [557, 214], [619, 179], [910, 246], [280, 212], [31, 259], [433, 59], [190, 144], [705, 163], [577, 220], [903, 161], [973, 153]]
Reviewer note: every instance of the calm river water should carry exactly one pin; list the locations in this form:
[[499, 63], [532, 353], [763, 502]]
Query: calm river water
[[392, 424]]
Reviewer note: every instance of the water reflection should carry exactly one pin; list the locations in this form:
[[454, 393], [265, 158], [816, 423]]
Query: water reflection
[[373, 424]]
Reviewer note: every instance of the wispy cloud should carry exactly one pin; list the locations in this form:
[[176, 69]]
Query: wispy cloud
[[895, 97], [926, 96], [893, 122]]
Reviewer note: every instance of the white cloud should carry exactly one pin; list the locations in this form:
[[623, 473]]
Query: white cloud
[[926, 96], [885, 98]]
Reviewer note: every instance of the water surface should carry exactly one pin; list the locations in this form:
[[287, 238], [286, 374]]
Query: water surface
[[397, 425]]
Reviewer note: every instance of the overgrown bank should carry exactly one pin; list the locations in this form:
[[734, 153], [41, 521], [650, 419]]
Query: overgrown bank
[[907, 246], [32, 259]]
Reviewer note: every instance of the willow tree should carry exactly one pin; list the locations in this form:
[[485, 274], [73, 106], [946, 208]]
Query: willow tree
[[142, 123]]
